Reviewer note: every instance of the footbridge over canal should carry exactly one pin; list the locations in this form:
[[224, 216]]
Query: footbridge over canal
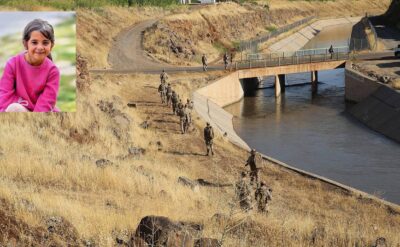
[[245, 73], [281, 64]]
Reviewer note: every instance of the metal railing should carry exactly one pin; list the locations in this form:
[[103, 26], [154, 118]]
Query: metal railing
[[253, 43], [320, 51], [295, 58]]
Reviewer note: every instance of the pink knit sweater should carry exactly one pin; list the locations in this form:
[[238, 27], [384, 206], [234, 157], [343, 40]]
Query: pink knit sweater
[[35, 87]]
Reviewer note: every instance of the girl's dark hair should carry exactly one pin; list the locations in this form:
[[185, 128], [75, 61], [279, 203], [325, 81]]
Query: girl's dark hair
[[41, 26]]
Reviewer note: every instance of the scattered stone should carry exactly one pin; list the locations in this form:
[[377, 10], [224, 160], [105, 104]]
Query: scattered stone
[[56, 225], [131, 104], [102, 163], [380, 242], [206, 242], [107, 107], [144, 125], [385, 79], [136, 151], [161, 231], [187, 182], [53, 223]]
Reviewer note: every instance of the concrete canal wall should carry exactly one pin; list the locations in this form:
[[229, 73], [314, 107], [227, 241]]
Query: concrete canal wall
[[210, 100], [378, 106], [299, 39]]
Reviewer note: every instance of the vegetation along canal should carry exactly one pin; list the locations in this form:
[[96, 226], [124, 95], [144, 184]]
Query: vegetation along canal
[[314, 133]]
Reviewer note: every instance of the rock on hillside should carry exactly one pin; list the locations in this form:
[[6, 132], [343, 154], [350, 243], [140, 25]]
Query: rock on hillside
[[54, 231], [183, 38]]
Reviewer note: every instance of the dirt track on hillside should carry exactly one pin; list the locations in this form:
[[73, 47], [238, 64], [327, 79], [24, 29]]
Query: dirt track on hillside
[[127, 52]]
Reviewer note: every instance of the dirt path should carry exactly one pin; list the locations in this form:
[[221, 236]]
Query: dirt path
[[127, 52], [128, 55]]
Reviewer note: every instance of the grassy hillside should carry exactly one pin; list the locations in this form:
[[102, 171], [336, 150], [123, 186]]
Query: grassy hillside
[[53, 171], [183, 38]]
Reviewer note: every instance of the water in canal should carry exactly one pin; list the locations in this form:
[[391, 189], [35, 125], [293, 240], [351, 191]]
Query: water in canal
[[314, 133]]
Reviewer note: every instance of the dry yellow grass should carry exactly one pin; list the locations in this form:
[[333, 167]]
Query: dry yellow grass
[[48, 168]]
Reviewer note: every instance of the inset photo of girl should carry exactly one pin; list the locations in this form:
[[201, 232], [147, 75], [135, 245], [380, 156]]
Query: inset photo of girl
[[37, 62]]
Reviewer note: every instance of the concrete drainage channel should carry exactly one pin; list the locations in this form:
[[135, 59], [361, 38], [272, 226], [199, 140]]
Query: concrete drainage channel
[[210, 100]]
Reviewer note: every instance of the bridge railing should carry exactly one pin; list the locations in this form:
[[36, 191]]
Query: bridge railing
[[273, 60], [320, 51]]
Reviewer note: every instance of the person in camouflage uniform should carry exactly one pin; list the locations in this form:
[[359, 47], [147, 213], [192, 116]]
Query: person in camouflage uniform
[[169, 94], [204, 62], [190, 107], [174, 100], [208, 138], [263, 195], [226, 60], [183, 118], [163, 76], [243, 192], [251, 161], [162, 89]]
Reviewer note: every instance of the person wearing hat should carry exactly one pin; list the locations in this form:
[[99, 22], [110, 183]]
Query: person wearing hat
[[251, 161], [208, 138]]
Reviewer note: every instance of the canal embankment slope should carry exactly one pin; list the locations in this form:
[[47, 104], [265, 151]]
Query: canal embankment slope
[[374, 85]]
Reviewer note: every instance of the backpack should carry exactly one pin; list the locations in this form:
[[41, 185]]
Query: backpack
[[208, 133]]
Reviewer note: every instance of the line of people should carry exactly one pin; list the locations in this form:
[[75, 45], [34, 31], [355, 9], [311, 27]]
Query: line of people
[[245, 188], [171, 98]]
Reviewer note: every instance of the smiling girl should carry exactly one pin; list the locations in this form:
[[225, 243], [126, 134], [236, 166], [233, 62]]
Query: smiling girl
[[30, 79]]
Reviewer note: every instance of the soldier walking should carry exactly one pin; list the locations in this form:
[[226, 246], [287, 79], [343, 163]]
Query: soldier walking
[[331, 51], [163, 76], [263, 195], [208, 138], [243, 192], [226, 60], [251, 161], [189, 109], [183, 118], [162, 89], [169, 94], [174, 100], [204, 61]]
